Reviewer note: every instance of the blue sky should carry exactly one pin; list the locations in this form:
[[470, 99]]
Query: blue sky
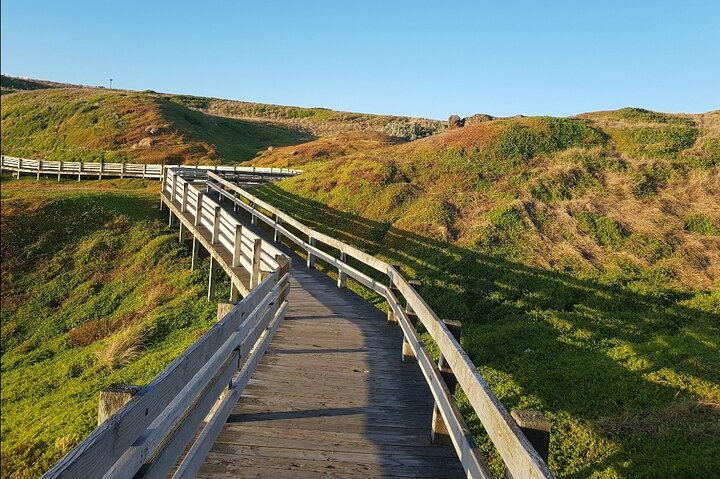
[[419, 58]]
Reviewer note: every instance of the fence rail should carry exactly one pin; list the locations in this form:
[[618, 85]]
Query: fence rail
[[521, 459]]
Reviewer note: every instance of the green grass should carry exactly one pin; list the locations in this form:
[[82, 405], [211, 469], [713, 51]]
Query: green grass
[[111, 126], [80, 263], [702, 224], [623, 365]]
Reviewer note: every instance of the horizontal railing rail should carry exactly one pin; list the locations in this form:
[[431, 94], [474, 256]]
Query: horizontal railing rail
[[158, 428], [521, 459]]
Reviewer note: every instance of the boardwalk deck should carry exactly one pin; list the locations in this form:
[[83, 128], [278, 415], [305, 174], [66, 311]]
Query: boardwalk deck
[[331, 398]]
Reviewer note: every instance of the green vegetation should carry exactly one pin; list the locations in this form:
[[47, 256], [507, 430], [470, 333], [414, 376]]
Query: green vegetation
[[113, 126], [96, 290], [587, 279]]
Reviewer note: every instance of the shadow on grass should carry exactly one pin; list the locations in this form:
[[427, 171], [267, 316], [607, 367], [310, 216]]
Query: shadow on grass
[[619, 372]]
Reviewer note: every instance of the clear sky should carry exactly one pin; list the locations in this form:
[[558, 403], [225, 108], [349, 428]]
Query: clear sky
[[419, 58]]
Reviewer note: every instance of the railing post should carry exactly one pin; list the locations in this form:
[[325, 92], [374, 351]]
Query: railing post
[[198, 208], [257, 250], [439, 433], [407, 352], [113, 398], [211, 279], [237, 246], [39, 167], [216, 226], [102, 170], [536, 429], [80, 170], [277, 237], [19, 167], [183, 207], [253, 216], [60, 168], [311, 257], [195, 252], [391, 318], [163, 181], [174, 187], [342, 277], [122, 170], [145, 169]]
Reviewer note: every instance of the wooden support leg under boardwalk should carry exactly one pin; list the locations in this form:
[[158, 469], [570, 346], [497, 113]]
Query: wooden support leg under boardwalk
[[195, 252], [211, 279]]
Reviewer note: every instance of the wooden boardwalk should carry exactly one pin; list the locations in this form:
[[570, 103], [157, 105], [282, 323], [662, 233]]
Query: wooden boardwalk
[[331, 398]]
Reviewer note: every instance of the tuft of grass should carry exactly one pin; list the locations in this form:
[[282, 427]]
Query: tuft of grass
[[122, 349]]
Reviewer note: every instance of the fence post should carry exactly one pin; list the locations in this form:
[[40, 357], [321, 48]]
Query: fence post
[[407, 352], [311, 257], [163, 180], [198, 208], [211, 279], [439, 433], [102, 170], [60, 168], [122, 170], [39, 167], [253, 217], [195, 252], [216, 226], [19, 167], [342, 277], [113, 398], [80, 170], [257, 250], [237, 245], [277, 237], [391, 318], [536, 429], [183, 207], [174, 187], [145, 169]]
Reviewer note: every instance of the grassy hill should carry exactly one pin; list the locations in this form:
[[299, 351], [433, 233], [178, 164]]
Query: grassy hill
[[96, 290], [91, 124], [582, 255]]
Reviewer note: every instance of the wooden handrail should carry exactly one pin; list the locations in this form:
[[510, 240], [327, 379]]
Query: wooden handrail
[[516, 451]]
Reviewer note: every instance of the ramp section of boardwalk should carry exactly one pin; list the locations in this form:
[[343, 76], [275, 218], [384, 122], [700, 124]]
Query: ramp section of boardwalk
[[331, 398]]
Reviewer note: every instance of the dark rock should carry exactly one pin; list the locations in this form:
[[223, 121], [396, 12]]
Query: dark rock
[[479, 118], [455, 122]]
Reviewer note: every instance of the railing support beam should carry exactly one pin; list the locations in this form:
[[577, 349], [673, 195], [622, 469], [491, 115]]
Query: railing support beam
[[439, 433], [407, 352]]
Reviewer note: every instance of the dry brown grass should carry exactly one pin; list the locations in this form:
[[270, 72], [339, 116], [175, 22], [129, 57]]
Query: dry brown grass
[[122, 349]]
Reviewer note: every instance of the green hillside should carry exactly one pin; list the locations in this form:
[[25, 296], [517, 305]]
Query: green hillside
[[582, 255], [92, 124], [96, 290]]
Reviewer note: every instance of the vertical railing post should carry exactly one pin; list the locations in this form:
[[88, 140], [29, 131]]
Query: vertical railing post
[[407, 352], [311, 257], [39, 168], [237, 246], [174, 187], [80, 170], [122, 170], [60, 168], [391, 318], [536, 429], [216, 226], [163, 182], [342, 276], [198, 208], [439, 433], [211, 279], [277, 236], [183, 206], [113, 398], [253, 216], [145, 169], [102, 170], [255, 276], [195, 253]]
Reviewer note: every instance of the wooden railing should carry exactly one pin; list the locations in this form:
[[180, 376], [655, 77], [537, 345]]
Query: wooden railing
[[172, 422], [150, 434], [123, 170], [521, 459]]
